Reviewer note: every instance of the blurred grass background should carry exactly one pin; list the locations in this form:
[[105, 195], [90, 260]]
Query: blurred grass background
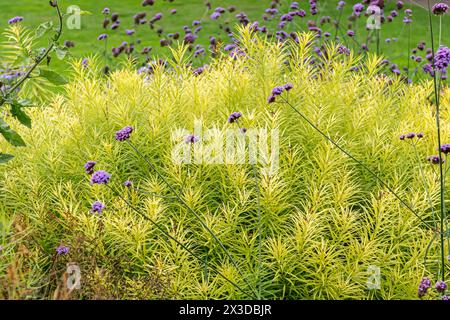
[[86, 43]]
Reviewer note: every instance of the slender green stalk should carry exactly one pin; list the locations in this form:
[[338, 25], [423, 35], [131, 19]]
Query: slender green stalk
[[438, 127], [409, 48], [338, 24], [180, 199], [378, 41], [348, 154], [427, 191], [144, 216]]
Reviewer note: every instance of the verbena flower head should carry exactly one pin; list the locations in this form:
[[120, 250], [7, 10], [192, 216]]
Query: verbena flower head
[[446, 298], [440, 9], [103, 36], [407, 20], [434, 159], [420, 135], [411, 135], [129, 32], [288, 86], [215, 16], [341, 5], [89, 167], [124, 134], [100, 177], [106, 11], [234, 117], [15, 20], [191, 138], [85, 62], [445, 148], [128, 183], [277, 91], [357, 9], [424, 285], [62, 250], [442, 59], [97, 207], [440, 286], [343, 50], [148, 3], [190, 38]]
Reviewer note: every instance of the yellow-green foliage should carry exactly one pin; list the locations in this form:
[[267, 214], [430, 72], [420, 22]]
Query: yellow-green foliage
[[325, 220]]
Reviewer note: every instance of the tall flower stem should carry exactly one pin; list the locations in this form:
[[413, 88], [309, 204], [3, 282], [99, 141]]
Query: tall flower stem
[[427, 191], [409, 47], [158, 226], [438, 127], [180, 199], [348, 154], [378, 41], [338, 24], [258, 200]]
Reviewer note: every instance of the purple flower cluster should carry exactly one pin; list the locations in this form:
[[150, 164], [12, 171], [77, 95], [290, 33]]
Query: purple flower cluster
[[103, 36], [191, 139], [440, 286], [434, 159], [100, 177], [234, 117], [278, 91], [62, 250], [440, 9], [343, 50], [97, 207], [358, 9], [124, 134], [411, 135], [442, 59], [15, 20], [424, 285], [128, 184], [445, 148], [89, 167]]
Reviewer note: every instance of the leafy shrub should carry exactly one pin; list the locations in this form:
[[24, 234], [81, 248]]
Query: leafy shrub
[[22, 60], [325, 221]]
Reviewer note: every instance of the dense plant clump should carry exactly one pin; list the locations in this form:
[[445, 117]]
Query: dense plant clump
[[271, 164], [97, 185]]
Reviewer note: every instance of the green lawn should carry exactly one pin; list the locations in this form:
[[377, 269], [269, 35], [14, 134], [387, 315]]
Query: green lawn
[[37, 11]]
